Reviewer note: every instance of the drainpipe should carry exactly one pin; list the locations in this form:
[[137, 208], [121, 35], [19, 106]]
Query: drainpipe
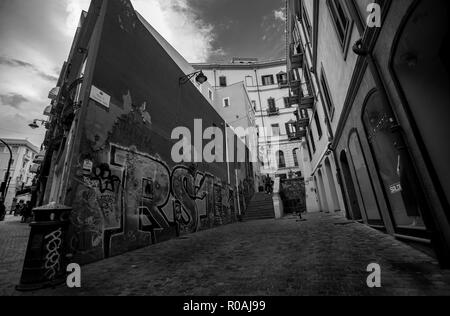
[[260, 106]]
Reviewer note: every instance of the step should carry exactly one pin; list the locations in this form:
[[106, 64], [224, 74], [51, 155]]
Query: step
[[267, 207], [258, 218], [259, 213]]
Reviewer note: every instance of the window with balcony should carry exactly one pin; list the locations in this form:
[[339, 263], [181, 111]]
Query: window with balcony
[[268, 80], [272, 109], [282, 79]]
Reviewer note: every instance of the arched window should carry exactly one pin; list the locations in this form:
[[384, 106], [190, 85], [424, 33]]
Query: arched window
[[295, 154], [281, 160]]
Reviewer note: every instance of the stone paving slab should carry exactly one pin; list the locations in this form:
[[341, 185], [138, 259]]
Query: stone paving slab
[[324, 255], [13, 242]]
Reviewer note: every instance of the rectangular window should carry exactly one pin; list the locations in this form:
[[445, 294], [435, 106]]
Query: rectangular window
[[286, 102], [223, 81], [267, 80], [309, 147], [282, 79], [254, 105], [327, 95], [319, 127], [276, 130], [210, 94], [341, 20], [249, 81], [226, 102], [311, 139]]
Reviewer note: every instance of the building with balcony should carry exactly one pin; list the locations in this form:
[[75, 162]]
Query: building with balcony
[[267, 85], [21, 175], [377, 140]]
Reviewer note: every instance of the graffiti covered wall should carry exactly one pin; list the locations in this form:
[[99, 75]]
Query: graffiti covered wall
[[125, 189]]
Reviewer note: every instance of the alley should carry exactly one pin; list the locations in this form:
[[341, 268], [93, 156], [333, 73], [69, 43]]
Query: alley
[[325, 255]]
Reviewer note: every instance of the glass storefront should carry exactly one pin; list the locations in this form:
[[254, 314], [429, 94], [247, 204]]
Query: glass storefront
[[393, 164]]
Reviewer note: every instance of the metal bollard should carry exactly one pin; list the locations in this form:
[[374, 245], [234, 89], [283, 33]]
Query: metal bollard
[[45, 259]]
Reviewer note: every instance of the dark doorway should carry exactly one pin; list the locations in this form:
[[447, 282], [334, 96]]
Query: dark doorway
[[350, 186]]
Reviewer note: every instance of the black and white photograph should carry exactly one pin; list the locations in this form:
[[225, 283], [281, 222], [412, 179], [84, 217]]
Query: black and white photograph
[[224, 153]]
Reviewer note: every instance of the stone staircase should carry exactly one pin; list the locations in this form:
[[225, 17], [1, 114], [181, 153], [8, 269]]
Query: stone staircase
[[260, 207]]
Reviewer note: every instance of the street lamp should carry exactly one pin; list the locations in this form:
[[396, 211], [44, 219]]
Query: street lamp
[[4, 184], [201, 78], [35, 125]]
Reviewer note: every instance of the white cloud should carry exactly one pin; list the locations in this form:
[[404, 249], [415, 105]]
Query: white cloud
[[280, 14], [74, 9], [175, 20], [180, 25]]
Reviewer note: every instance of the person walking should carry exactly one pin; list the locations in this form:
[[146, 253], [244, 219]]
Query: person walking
[[27, 212], [13, 206], [19, 208], [2, 210], [269, 184]]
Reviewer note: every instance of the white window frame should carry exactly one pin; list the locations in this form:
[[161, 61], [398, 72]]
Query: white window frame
[[224, 104]]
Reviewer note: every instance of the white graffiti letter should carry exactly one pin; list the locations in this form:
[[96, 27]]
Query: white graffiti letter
[[374, 279], [52, 259], [374, 18], [74, 278]]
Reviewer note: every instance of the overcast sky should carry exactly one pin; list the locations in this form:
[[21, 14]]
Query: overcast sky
[[36, 35]]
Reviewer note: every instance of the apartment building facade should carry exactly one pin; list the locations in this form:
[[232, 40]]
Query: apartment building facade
[[381, 71], [266, 82], [20, 175]]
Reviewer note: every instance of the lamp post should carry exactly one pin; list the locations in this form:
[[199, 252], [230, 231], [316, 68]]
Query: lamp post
[[35, 125], [3, 188]]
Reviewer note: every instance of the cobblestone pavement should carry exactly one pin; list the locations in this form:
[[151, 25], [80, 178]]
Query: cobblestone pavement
[[13, 243], [325, 255]]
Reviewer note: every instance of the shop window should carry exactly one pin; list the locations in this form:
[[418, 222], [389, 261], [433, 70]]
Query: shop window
[[393, 164]]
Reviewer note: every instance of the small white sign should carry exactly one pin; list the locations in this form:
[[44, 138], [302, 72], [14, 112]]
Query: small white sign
[[395, 188], [88, 165], [100, 96]]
